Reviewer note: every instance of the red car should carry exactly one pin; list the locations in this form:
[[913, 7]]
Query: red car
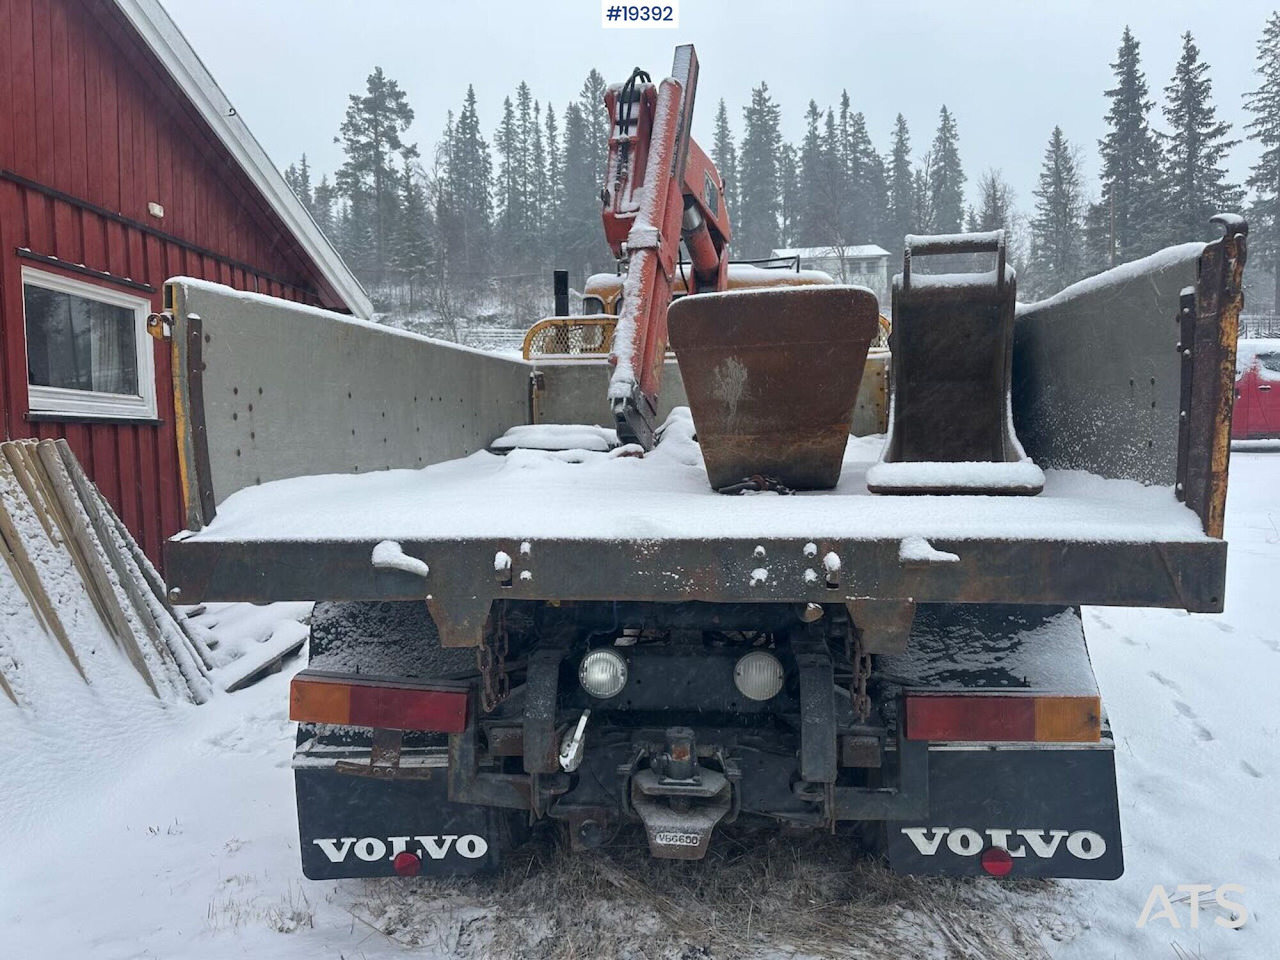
[[1257, 409]]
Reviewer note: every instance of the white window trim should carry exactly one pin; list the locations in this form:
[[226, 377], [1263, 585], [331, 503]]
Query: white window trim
[[61, 401]]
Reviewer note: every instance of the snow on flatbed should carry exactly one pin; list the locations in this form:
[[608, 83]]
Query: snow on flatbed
[[592, 495]]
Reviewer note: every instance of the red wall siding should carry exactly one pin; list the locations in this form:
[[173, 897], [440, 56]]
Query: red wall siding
[[86, 110]]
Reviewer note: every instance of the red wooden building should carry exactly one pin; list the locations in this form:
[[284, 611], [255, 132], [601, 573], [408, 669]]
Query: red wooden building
[[122, 164]]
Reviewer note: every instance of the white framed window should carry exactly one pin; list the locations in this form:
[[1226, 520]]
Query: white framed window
[[88, 352]]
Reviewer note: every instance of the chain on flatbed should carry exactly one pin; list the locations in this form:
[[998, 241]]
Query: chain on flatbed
[[491, 657], [860, 660]]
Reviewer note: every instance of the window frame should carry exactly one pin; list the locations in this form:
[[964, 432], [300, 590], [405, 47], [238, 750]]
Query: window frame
[[93, 404]]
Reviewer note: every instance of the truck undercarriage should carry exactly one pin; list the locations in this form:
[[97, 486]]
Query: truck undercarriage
[[989, 729]]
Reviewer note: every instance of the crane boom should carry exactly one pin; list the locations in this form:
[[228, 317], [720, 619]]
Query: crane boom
[[660, 188]]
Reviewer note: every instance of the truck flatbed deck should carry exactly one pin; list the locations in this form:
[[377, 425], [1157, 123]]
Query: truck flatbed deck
[[583, 525]]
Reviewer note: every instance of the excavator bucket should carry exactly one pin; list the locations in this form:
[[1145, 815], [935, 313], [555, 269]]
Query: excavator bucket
[[951, 426], [772, 377]]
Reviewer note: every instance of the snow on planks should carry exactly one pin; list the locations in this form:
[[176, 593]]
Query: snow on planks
[[75, 587]]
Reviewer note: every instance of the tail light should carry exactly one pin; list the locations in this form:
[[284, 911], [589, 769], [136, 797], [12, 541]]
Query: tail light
[[1018, 717], [350, 701]]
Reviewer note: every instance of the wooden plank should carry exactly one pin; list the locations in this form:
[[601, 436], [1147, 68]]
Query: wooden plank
[[78, 110], [22, 457], [105, 463], [183, 662], [93, 71], [164, 170], [152, 578], [26, 570], [13, 344], [22, 95], [126, 103], [263, 659], [6, 85], [66, 234], [139, 189], [77, 529], [14, 451], [130, 479], [46, 108]]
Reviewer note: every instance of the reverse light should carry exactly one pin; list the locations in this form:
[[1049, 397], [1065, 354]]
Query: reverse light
[[758, 675], [1020, 717], [603, 673], [350, 701]]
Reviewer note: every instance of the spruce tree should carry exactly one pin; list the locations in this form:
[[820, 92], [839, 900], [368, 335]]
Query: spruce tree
[[595, 116], [411, 255], [1057, 233], [555, 174], [1264, 175], [725, 156], [759, 186], [322, 206], [946, 178], [792, 196], [298, 177], [541, 199], [865, 207], [527, 127], [836, 189], [467, 204], [370, 137], [995, 198], [814, 226], [1132, 179], [580, 241], [922, 196], [900, 206], [1194, 149], [506, 144]]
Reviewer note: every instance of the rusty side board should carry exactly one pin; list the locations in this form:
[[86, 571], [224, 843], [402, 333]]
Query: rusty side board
[[1208, 347], [461, 586]]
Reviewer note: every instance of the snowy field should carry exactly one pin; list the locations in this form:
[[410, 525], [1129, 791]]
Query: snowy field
[[140, 831]]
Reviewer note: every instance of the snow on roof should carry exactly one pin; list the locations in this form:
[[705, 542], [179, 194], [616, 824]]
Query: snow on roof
[[154, 26], [851, 252]]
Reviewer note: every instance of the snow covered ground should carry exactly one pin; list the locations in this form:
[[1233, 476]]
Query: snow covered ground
[[138, 830]]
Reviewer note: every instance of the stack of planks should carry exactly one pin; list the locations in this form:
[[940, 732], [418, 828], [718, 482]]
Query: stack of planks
[[60, 544]]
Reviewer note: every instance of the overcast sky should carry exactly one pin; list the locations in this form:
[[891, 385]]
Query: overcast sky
[[1008, 69]]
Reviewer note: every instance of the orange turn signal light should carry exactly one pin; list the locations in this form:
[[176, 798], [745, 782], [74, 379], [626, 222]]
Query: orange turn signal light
[[354, 701]]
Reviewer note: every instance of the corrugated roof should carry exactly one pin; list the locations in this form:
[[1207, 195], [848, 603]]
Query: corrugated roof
[[860, 251], [149, 19]]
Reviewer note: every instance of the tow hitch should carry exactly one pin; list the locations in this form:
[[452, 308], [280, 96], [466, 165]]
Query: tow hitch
[[679, 800]]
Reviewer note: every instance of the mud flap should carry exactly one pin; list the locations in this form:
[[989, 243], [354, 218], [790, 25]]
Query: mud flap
[[355, 826], [1054, 812]]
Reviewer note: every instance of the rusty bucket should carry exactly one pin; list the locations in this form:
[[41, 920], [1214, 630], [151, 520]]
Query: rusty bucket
[[772, 377]]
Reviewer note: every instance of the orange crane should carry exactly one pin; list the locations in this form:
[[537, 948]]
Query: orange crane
[[660, 188]]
